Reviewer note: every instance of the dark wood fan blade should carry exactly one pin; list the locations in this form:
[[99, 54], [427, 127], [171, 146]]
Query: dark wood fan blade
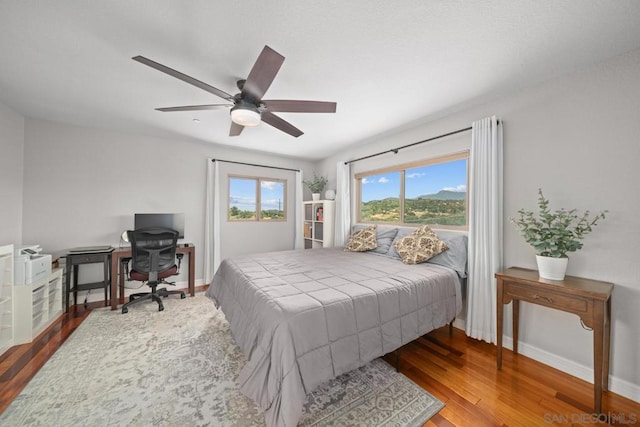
[[293, 106], [194, 107], [262, 74], [183, 77], [236, 129], [279, 123]]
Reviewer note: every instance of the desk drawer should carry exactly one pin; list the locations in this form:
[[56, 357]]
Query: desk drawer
[[87, 258], [547, 298]]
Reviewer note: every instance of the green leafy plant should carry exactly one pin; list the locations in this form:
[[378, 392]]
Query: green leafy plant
[[554, 234], [316, 184]]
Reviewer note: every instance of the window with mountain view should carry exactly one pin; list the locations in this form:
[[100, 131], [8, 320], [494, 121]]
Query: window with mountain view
[[380, 196], [247, 194], [431, 192]]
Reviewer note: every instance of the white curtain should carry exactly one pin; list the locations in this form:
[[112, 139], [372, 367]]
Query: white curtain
[[212, 221], [485, 228], [343, 203], [298, 239]]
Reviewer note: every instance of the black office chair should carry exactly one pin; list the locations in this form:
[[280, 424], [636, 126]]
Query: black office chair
[[153, 252]]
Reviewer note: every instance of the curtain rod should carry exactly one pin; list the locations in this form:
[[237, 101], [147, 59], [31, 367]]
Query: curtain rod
[[253, 164], [395, 150]]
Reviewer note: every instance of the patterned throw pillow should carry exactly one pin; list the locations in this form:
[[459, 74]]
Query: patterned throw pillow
[[362, 240], [419, 246]]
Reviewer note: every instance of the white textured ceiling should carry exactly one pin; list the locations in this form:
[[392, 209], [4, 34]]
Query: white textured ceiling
[[386, 63]]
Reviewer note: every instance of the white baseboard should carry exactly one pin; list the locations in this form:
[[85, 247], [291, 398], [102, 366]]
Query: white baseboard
[[616, 385]]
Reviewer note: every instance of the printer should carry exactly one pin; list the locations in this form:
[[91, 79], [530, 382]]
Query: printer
[[30, 265]]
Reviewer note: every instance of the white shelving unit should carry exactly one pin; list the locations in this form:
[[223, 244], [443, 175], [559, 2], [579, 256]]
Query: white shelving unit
[[36, 306], [318, 226], [6, 298]]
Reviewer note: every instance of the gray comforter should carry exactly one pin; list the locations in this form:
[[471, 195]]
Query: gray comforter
[[304, 317]]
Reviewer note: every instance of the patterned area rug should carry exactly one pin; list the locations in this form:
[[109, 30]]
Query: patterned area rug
[[178, 368]]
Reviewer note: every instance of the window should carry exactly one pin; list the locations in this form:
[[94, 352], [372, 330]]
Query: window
[[430, 192], [272, 200], [381, 197], [246, 194]]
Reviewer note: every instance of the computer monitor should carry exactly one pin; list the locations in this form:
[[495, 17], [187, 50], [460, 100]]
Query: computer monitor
[[175, 221]]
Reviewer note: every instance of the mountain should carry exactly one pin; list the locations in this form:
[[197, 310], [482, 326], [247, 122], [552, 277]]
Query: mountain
[[445, 195]]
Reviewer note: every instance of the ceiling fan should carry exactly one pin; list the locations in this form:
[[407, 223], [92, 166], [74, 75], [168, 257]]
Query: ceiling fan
[[248, 108]]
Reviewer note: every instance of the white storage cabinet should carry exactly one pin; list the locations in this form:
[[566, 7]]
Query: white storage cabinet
[[318, 223], [37, 305], [6, 298]]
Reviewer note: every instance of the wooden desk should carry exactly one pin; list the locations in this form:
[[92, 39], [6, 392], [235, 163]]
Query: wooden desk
[[589, 299], [190, 250]]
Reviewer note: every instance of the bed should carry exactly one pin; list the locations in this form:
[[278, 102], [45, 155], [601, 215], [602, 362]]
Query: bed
[[304, 317]]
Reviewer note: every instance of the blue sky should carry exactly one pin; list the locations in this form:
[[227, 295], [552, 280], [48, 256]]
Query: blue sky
[[242, 193], [419, 181]]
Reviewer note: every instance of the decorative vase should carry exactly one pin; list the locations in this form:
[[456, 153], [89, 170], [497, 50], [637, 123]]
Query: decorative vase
[[329, 194], [315, 196], [552, 268]]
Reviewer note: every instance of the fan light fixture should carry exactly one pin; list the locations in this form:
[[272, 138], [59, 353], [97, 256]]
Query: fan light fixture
[[249, 105], [245, 116]]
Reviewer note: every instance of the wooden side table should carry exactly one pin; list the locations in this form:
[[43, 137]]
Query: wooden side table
[[589, 299]]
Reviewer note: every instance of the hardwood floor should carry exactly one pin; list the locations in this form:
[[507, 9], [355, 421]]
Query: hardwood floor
[[462, 373], [458, 370]]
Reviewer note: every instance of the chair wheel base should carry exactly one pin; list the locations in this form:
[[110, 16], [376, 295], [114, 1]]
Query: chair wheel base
[[156, 295]]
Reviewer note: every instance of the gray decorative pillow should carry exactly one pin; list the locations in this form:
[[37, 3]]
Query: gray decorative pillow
[[362, 240], [456, 256], [384, 237], [420, 246]]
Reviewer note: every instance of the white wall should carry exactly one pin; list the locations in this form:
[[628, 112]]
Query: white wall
[[11, 161], [247, 237], [82, 186], [577, 138]]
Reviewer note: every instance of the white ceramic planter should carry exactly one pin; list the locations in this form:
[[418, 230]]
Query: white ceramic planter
[[315, 196], [552, 268]]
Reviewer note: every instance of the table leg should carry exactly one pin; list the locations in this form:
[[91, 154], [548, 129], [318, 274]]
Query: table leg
[[499, 315], [75, 284], [67, 284], [516, 324], [607, 345], [115, 260], [598, 350], [105, 274], [121, 284], [192, 272]]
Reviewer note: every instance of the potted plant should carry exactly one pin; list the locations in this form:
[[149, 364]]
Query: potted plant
[[554, 234], [316, 185]]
